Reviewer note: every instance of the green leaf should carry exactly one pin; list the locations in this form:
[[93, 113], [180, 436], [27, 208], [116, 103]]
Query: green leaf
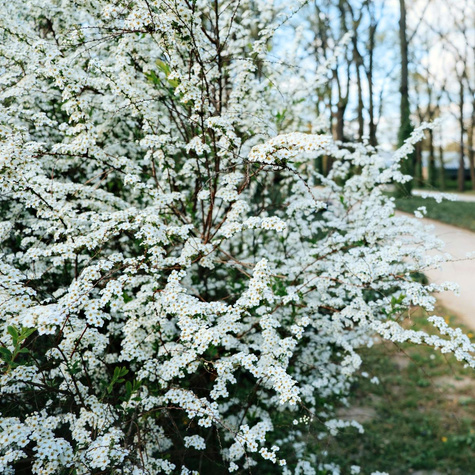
[[5, 354], [13, 331], [26, 332], [74, 368], [117, 377], [119, 372], [14, 334], [163, 67], [173, 83]]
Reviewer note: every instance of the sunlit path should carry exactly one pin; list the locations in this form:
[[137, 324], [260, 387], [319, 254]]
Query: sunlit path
[[458, 242]]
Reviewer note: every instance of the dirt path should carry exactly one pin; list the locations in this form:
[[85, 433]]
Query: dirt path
[[458, 242]]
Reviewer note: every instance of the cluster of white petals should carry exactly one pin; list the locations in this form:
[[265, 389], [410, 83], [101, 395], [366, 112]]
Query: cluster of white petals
[[284, 148]]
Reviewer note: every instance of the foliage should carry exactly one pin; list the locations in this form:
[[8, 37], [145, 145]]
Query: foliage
[[174, 285]]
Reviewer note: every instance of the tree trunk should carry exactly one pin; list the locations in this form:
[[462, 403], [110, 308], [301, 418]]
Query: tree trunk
[[358, 60], [360, 103], [470, 144], [442, 167], [369, 77], [373, 25], [343, 90], [340, 119], [431, 160], [461, 170], [418, 178], [405, 128], [327, 163]]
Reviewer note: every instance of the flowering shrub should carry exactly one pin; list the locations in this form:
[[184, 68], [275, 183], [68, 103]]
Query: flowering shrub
[[174, 286]]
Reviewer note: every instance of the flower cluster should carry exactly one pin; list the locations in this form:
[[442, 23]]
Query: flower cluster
[[284, 148]]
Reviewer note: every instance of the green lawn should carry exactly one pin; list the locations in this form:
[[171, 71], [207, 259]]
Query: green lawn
[[458, 213], [421, 417]]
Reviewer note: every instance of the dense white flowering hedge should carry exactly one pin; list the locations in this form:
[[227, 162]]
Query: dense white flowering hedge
[[177, 283]]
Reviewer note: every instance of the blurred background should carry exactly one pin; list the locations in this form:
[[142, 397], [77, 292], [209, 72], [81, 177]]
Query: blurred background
[[404, 62]]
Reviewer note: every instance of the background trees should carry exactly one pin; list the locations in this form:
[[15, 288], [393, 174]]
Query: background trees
[[405, 62]]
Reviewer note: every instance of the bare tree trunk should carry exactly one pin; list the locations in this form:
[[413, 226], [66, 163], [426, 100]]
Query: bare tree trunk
[[418, 178], [441, 147], [358, 61], [431, 160], [373, 25], [470, 145], [342, 103], [405, 128], [461, 170], [340, 119], [442, 167], [369, 77], [327, 161], [360, 102], [343, 92]]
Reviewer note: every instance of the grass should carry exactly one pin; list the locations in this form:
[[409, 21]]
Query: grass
[[457, 213], [421, 417], [452, 185]]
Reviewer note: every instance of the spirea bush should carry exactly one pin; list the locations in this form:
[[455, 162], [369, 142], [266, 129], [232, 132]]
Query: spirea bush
[[180, 290]]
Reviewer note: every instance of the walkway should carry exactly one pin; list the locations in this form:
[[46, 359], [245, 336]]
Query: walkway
[[458, 242], [456, 196]]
